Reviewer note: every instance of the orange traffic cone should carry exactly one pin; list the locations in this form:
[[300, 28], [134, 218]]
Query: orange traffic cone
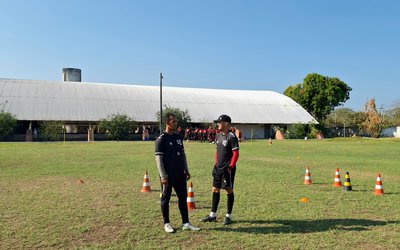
[[378, 186], [146, 184], [307, 177], [337, 182], [191, 204]]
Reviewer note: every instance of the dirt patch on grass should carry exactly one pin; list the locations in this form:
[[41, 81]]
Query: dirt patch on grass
[[105, 233], [369, 246], [195, 241], [100, 234]]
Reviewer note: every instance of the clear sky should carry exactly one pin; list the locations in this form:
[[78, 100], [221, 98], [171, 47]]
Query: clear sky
[[261, 45]]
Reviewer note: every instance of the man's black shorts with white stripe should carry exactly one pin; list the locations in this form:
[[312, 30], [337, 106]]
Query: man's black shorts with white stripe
[[222, 178]]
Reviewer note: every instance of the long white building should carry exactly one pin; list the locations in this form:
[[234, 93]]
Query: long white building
[[88, 102]]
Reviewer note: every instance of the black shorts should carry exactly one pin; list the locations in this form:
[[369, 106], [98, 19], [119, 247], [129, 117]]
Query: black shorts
[[222, 178]]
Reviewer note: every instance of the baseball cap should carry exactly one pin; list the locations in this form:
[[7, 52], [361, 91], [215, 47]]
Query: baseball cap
[[223, 118]]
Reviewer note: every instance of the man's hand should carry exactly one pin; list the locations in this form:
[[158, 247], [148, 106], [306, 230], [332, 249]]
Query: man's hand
[[164, 181], [230, 169], [187, 174]]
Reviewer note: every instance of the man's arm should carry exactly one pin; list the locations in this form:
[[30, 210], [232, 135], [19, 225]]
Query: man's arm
[[184, 161], [185, 166], [235, 150], [235, 158], [160, 166], [216, 151], [159, 154]]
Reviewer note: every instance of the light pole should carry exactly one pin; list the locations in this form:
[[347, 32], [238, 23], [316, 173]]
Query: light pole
[[344, 129], [161, 77]]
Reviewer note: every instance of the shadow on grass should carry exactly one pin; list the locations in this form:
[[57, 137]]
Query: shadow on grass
[[303, 226]]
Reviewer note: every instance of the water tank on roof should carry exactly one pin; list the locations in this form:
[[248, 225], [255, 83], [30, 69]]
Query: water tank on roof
[[71, 75]]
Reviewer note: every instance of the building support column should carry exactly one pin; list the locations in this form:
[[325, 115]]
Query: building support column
[[28, 134], [90, 133]]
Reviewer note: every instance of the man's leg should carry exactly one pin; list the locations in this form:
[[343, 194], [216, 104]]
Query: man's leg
[[231, 199], [165, 197], [181, 192], [215, 196], [215, 200], [217, 182], [229, 180]]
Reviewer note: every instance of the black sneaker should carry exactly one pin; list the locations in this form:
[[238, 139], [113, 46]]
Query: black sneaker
[[208, 218], [227, 221]]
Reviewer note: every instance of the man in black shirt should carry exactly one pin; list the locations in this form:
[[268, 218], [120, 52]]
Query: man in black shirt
[[224, 170], [173, 171]]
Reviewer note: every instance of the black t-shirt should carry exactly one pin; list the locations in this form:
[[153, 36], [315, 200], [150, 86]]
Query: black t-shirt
[[171, 147], [225, 144]]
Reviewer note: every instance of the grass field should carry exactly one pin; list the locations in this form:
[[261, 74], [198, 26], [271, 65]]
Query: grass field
[[44, 205]]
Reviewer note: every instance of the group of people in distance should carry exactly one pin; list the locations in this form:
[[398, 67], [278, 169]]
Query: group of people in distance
[[174, 172], [200, 134], [203, 134]]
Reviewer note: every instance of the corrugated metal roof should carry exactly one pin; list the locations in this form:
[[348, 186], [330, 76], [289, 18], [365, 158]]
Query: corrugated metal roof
[[84, 101]]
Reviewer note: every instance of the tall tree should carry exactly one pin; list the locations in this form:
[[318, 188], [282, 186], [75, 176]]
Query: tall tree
[[182, 116], [373, 121], [319, 95]]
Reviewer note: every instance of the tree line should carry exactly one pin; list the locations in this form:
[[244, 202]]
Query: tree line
[[115, 126]]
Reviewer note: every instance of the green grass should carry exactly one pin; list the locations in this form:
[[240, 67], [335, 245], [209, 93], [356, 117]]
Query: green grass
[[43, 204]]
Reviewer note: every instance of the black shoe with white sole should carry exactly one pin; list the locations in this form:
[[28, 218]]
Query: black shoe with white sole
[[208, 218]]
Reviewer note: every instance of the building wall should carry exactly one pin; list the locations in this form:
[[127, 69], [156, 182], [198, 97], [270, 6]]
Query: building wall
[[260, 131], [391, 132]]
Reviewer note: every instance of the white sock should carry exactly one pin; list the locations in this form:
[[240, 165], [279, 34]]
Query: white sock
[[186, 224], [229, 216], [213, 215]]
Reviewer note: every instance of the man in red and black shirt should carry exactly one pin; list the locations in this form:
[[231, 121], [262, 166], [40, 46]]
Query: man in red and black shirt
[[226, 156]]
